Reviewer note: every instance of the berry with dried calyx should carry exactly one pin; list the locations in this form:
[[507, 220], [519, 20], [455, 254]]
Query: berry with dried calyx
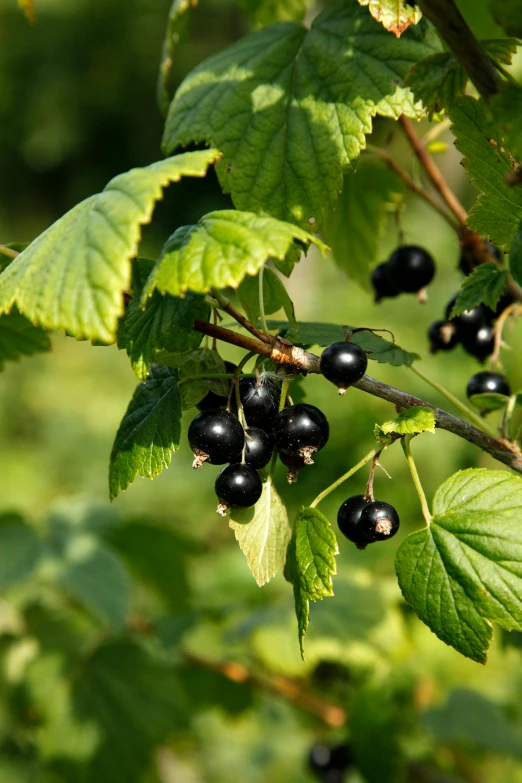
[[469, 322], [488, 383], [301, 430], [442, 336], [238, 486], [411, 268], [294, 465], [480, 344], [383, 286], [216, 437], [211, 400], [379, 521], [343, 364]]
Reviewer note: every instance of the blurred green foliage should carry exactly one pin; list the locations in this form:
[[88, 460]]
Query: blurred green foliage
[[127, 632]]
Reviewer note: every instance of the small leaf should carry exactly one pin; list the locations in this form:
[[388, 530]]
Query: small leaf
[[275, 297], [164, 325], [192, 364], [485, 284], [149, 432], [394, 15], [310, 563], [489, 401], [411, 421], [501, 49], [506, 110], [437, 80], [18, 337], [465, 571], [73, 275], [497, 212], [515, 256], [220, 250], [263, 533], [322, 334]]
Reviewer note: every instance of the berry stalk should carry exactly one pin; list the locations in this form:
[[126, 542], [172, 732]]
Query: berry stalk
[[322, 495], [405, 442]]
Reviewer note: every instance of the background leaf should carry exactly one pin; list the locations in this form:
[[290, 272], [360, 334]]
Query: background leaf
[[18, 337], [73, 275], [21, 548], [264, 12], [191, 364], [515, 256], [263, 533], [275, 297]]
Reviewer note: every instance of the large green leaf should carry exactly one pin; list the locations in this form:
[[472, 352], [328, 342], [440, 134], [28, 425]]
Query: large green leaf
[[310, 563], [506, 109], [485, 284], [220, 250], [507, 13], [263, 533], [323, 334], [18, 337], [21, 551], [149, 432], [193, 366], [464, 571], [73, 275], [353, 229], [395, 15], [289, 107], [497, 211], [164, 324], [275, 297]]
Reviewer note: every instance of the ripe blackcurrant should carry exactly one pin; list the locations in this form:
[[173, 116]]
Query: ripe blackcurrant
[[442, 336], [378, 521], [215, 437], [468, 256], [330, 764], [294, 465], [301, 431], [480, 344], [505, 300], [382, 283], [349, 515], [343, 364], [238, 486], [211, 400], [411, 268], [259, 446], [488, 383], [260, 401], [470, 321]]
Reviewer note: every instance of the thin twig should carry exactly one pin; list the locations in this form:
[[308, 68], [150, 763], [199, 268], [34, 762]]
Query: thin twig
[[239, 317], [283, 352], [8, 251]]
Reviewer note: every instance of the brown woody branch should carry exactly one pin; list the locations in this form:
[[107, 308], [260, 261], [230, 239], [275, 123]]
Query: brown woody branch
[[284, 353]]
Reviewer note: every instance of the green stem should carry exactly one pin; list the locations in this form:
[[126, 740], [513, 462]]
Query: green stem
[[282, 402], [405, 442], [8, 251], [477, 420], [264, 325], [371, 454], [214, 376]]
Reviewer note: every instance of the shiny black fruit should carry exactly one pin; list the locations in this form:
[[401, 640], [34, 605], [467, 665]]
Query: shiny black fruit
[[238, 486], [259, 446], [442, 336], [488, 383], [260, 401], [379, 521], [343, 364], [411, 268], [349, 515], [301, 431], [215, 437], [383, 286]]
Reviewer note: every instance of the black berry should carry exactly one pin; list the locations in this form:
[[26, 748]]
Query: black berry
[[238, 486], [330, 764], [215, 437], [480, 344], [343, 364], [488, 383], [382, 283], [260, 401], [411, 268], [468, 256], [301, 431], [469, 322], [349, 515], [505, 300], [211, 400], [259, 446], [294, 465], [378, 521], [442, 336]]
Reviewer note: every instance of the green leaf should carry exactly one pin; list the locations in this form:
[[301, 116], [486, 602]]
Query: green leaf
[[263, 533], [515, 256], [149, 432], [437, 81], [6, 257], [164, 325], [73, 275], [489, 401], [192, 364], [465, 571], [497, 211], [315, 333], [501, 49], [354, 227], [264, 12], [310, 563], [177, 23], [411, 421], [506, 110], [220, 250], [485, 284], [395, 15], [18, 337], [288, 122], [275, 297], [507, 14], [21, 549], [286, 265]]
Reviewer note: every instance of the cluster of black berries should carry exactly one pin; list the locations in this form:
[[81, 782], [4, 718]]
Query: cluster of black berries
[[365, 521], [216, 436], [330, 765], [408, 270], [473, 329]]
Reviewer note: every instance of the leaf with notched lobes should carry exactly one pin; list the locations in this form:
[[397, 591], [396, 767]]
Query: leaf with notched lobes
[[73, 275], [464, 571], [220, 249], [290, 107], [192, 364], [394, 15], [149, 432], [263, 533], [411, 421], [485, 284]]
